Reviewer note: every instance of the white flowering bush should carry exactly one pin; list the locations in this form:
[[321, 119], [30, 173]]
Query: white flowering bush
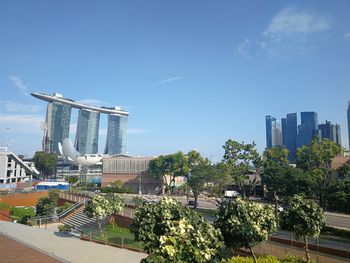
[[245, 224], [98, 207], [174, 233]]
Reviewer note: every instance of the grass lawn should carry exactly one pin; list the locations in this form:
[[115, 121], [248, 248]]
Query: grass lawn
[[121, 236]]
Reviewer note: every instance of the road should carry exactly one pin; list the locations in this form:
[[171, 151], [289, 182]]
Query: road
[[332, 219]]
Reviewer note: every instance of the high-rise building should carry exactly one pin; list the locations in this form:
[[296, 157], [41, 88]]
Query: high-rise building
[[273, 132], [86, 138], [284, 130], [349, 123], [331, 132], [308, 128], [290, 132], [116, 134], [56, 126]]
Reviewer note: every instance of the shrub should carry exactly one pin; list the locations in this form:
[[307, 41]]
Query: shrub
[[22, 214], [64, 228], [63, 207], [263, 259]]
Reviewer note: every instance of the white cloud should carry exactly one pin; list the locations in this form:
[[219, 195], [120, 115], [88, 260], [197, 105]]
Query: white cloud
[[20, 85], [24, 124], [167, 80], [244, 47], [12, 106], [291, 22], [291, 31]]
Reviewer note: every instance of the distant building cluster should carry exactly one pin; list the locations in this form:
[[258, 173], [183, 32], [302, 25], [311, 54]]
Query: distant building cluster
[[292, 136], [57, 123]]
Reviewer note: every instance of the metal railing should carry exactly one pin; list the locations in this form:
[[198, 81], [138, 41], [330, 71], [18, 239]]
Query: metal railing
[[71, 209]]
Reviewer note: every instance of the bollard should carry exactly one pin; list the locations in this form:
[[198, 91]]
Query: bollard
[[122, 241]]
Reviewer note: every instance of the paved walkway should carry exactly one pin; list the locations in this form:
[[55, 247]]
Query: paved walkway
[[67, 248]]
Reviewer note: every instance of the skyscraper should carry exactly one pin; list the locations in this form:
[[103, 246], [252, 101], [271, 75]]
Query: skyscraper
[[308, 128], [331, 132], [290, 135], [273, 132], [116, 134], [349, 123], [56, 126], [86, 138]]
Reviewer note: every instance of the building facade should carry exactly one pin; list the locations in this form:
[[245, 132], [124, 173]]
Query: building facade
[[273, 132], [13, 169], [56, 127], [308, 129], [291, 135], [331, 132], [132, 171], [86, 138], [116, 134]]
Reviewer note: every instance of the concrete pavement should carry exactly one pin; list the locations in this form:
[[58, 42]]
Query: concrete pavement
[[67, 248]]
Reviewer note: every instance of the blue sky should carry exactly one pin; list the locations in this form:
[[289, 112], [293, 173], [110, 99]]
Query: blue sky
[[192, 74]]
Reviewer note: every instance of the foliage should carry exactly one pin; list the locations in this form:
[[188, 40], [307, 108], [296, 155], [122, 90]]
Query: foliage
[[54, 195], [344, 170], [245, 224], [174, 233], [317, 159], [98, 207], [240, 157], [63, 207], [116, 187], [275, 166], [220, 178], [45, 207], [64, 228], [167, 168], [72, 179], [45, 162], [22, 214], [338, 196], [303, 218], [263, 259]]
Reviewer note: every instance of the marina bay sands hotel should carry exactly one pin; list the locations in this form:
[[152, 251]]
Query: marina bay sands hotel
[[56, 126]]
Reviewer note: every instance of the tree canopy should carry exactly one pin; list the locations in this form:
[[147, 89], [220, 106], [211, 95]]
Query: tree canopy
[[174, 233], [45, 163]]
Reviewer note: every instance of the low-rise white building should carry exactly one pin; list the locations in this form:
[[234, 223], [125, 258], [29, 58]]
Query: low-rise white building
[[13, 169]]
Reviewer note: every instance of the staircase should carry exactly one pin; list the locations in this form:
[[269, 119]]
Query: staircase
[[79, 221]]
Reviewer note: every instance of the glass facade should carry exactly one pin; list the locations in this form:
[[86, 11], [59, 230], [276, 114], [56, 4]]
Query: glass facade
[[308, 128], [291, 135], [86, 139], [116, 134], [56, 126], [273, 132]]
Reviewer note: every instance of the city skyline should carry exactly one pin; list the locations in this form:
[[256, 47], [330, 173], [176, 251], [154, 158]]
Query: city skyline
[[192, 75]]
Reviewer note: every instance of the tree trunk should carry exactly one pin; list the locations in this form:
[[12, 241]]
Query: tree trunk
[[100, 228], [307, 250], [253, 254], [195, 201]]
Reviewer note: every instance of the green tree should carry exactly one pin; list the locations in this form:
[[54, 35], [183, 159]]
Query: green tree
[[45, 207], [220, 179], [98, 207], [344, 170], [174, 233], [240, 157], [245, 224], [199, 179], [116, 204], [45, 163], [275, 166], [316, 159], [303, 218], [167, 168], [338, 196]]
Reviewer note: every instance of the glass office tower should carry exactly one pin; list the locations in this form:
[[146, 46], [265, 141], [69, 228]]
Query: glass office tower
[[116, 134], [290, 133], [308, 128], [273, 132], [330, 131], [86, 139], [56, 127]]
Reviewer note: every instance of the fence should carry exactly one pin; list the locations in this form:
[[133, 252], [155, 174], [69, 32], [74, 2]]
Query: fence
[[113, 239]]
